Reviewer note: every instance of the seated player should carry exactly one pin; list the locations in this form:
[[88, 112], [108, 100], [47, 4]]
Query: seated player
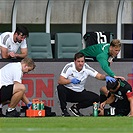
[[119, 96]]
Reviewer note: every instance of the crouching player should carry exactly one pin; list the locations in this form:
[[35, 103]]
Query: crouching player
[[119, 96], [11, 88]]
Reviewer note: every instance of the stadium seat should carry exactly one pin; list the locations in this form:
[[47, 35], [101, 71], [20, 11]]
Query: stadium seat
[[39, 45], [67, 44]]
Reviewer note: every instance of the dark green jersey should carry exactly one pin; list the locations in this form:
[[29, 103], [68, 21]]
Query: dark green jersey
[[101, 53]]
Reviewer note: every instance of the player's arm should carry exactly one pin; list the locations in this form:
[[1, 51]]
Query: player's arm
[[105, 65], [100, 76], [104, 77], [62, 80], [108, 101], [94, 73], [24, 98], [4, 53], [23, 54], [111, 99]]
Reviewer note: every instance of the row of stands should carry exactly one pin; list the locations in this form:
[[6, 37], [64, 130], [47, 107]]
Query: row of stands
[[66, 45]]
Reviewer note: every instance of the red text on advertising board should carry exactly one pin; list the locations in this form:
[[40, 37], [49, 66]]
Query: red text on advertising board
[[40, 86]]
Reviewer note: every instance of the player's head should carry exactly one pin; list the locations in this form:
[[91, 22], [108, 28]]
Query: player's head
[[22, 30], [115, 47], [79, 60], [27, 65], [78, 55], [115, 43], [113, 86], [20, 34]]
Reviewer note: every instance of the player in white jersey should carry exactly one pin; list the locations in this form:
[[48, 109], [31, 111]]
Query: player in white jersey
[[11, 88], [10, 42], [71, 85]]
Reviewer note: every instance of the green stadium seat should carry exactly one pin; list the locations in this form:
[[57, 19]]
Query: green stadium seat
[[39, 45], [67, 44]]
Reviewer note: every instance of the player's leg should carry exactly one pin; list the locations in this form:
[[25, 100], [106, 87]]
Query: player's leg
[[84, 99], [18, 92], [62, 94]]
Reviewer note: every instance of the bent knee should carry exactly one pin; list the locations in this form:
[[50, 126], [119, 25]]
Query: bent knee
[[103, 90], [59, 87], [19, 87]]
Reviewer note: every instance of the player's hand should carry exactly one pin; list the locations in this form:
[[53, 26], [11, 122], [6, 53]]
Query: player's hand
[[102, 105], [110, 79], [11, 54], [75, 81], [119, 77]]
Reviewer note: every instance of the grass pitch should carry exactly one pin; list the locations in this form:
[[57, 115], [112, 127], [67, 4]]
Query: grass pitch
[[67, 125]]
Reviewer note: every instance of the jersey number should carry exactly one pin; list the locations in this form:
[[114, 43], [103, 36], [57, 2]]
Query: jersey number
[[101, 38], [112, 111]]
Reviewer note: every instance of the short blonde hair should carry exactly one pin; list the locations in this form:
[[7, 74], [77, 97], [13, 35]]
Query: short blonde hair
[[115, 43], [29, 62]]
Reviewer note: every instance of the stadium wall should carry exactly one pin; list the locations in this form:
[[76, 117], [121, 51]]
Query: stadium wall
[[65, 11]]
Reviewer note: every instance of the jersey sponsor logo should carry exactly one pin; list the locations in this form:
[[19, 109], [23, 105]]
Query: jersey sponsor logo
[[119, 96], [119, 92]]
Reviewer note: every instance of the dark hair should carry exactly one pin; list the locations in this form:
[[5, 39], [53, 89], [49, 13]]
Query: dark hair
[[23, 30], [78, 55], [112, 85], [115, 43]]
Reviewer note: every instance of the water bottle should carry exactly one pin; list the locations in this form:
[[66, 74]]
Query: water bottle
[[95, 109]]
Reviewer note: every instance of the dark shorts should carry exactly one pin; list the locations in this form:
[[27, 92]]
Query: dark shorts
[[112, 111], [6, 93]]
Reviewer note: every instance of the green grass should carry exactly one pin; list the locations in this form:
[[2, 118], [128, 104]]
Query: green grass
[[67, 125]]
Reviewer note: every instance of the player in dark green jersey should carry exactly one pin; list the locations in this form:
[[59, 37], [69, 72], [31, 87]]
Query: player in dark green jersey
[[104, 54], [119, 96]]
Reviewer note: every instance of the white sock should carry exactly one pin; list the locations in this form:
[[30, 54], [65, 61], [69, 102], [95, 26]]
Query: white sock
[[10, 109]]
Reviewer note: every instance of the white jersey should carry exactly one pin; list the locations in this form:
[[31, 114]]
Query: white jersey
[[10, 73], [70, 72], [6, 41]]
